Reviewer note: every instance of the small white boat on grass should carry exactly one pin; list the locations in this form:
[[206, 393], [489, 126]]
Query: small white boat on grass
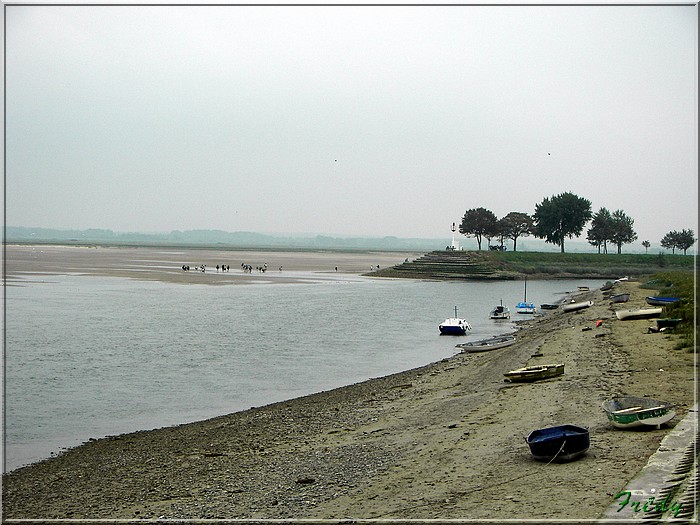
[[638, 313], [500, 312], [630, 412], [484, 345], [454, 325], [573, 307]]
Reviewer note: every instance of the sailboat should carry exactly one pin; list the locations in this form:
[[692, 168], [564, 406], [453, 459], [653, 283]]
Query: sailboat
[[454, 325], [524, 307]]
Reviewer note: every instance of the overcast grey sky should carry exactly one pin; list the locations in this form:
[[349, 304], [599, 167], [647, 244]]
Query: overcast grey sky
[[366, 121]]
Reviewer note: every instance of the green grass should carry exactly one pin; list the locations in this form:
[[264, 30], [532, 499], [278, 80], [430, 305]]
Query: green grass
[[683, 285]]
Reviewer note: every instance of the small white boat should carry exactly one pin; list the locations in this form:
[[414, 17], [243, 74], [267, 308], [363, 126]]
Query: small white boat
[[484, 345], [620, 298], [500, 312], [638, 313], [454, 325], [573, 307], [630, 412]]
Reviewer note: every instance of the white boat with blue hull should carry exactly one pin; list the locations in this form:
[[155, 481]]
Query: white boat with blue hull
[[454, 325]]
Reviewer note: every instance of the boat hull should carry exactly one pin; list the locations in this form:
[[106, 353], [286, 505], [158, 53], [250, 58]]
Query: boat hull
[[639, 313], [525, 308], [534, 373], [485, 345], [661, 301], [633, 412], [452, 330], [620, 298], [573, 307], [560, 443]]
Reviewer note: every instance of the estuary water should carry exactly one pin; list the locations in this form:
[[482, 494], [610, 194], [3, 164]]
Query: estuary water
[[89, 356]]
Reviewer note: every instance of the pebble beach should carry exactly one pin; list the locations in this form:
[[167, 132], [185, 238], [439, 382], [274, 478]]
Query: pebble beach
[[444, 441]]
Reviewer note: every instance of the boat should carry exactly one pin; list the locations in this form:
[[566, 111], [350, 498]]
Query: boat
[[524, 307], [638, 313], [560, 443], [484, 345], [500, 312], [607, 286], [549, 306], [454, 325], [662, 301], [667, 322], [631, 412], [534, 373], [573, 307], [620, 298], [584, 289]]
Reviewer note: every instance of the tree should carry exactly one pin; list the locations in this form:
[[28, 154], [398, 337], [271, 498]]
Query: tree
[[600, 231], [670, 240], [646, 245], [561, 216], [514, 225], [479, 222], [682, 240], [622, 229]]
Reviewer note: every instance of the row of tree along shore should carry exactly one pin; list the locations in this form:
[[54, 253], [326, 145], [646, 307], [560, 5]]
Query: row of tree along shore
[[498, 265], [560, 217]]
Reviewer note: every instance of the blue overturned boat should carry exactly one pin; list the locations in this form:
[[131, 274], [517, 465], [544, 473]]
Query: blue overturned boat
[[662, 301], [560, 443]]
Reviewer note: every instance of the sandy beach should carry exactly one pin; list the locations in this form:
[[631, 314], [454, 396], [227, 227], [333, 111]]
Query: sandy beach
[[445, 441]]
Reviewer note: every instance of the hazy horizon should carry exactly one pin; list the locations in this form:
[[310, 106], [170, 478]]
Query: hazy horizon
[[346, 120]]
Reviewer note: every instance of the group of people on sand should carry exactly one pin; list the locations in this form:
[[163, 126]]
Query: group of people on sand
[[247, 268]]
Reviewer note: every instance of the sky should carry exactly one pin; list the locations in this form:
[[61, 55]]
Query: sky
[[347, 120]]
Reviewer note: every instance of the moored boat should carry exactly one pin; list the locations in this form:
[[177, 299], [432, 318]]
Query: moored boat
[[572, 307], [534, 373], [523, 307], [620, 298], [454, 325], [661, 301], [631, 412], [638, 313], [559, 443], [484, 345], [500, 312]]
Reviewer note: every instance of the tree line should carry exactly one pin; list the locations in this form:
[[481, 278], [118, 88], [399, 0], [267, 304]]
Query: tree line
[[560, 217]]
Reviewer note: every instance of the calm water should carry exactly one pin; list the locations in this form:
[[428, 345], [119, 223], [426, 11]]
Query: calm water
[[90, 356]]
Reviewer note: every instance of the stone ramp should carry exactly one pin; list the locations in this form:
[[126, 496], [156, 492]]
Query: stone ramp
[[670, 475]]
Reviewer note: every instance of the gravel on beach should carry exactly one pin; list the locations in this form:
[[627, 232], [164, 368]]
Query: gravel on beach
[[445, 441]]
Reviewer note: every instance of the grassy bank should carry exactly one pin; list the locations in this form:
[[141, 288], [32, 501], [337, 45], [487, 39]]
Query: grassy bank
[[516, 265], [682, 285]]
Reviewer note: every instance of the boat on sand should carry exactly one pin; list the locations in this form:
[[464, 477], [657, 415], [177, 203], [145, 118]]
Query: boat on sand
[[484, 345], [534, 373], [631, 412], [559, 443], [638, 313], [573, 307]]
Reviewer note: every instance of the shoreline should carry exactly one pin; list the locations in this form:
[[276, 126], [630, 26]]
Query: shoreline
[[442, 441]]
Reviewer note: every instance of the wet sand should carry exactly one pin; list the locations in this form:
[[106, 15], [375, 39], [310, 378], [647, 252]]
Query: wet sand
[[446, 441]]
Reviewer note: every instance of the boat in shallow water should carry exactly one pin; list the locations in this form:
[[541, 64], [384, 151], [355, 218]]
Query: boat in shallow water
[[559, 443], [454, 325], [631, 412], [500, 312]]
